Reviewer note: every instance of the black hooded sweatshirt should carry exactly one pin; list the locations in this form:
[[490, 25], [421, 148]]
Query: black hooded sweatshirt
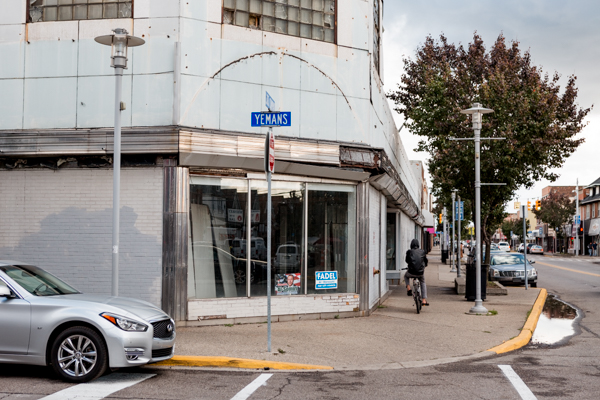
[[416, 259]]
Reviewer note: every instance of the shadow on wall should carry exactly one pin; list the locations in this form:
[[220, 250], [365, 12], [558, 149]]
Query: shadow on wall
[[76, 246]]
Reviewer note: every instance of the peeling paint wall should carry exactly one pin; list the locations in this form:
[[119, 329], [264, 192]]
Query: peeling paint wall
[[57, 76]]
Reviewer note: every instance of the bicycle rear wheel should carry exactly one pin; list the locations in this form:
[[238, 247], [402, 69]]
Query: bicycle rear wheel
[[417, 295]]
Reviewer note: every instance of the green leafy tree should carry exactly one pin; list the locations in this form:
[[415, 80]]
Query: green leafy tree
[[537, 119], [556, 210]]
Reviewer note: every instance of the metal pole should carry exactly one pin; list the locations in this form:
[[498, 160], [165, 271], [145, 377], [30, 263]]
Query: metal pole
[[478, 308], [459, 242], [269, 255], [116, 181], [525, 246], [577, 215], [444, 247], [453, 268]]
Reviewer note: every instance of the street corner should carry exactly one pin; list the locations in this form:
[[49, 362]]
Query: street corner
[[241, 363], [528, 328]]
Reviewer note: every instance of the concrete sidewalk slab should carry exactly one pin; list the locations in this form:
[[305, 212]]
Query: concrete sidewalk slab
[[394, 336]]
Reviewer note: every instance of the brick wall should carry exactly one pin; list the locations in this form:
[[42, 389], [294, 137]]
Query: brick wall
[[280, 305], [62, 221]]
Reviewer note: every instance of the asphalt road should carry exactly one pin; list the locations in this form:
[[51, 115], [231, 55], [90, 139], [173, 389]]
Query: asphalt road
[[569, 370]]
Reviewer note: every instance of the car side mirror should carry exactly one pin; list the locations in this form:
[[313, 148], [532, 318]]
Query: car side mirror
[[531, 262], [5, 292]]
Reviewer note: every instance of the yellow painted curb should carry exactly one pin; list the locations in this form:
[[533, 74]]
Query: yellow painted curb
[[228, 362], [528, 329]]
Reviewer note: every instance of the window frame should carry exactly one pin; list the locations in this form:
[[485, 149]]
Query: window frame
[[29, 21], [335, 25]]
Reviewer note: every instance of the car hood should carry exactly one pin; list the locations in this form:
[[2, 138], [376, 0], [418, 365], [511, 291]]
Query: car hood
[[512, 267], [142, 309]]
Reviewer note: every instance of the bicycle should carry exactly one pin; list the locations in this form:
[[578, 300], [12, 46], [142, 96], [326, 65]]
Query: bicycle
[[416, 292]]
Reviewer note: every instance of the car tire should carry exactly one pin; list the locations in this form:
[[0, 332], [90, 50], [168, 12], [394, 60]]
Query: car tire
[[78, 348], [533, 284]]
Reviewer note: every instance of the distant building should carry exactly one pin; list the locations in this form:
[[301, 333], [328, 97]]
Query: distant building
[[590, 209]]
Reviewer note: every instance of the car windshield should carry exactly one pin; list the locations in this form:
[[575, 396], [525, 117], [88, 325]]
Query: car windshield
[[287, 250], [507, 259], [37, 281]]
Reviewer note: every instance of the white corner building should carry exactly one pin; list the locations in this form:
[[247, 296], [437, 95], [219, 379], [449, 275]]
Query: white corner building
[[193, 231]]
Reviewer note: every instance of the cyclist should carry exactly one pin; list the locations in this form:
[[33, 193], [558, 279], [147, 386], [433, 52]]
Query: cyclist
[[417, 261]]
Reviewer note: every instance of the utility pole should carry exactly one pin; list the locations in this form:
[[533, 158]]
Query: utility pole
[[460, 214], [453, 269], [577, 218]]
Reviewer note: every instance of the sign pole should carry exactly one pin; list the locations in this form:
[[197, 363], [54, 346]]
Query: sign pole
[[267, 167], [460, 216], [525, 245], [452, 249]]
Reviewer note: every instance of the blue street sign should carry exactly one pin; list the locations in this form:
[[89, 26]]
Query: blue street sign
[[326, 280], [459, 210], [271, 119], [577, 219], [269, 102]]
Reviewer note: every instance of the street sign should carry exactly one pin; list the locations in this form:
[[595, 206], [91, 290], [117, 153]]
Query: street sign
[[459, 210], [271, 119], [541, 231], [577, 219], [270, 152], [269, 102], [326, 280], [517, 205]]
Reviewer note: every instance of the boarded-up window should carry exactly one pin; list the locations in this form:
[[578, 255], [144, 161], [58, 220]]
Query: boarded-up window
[[67, 10], [311, 19]]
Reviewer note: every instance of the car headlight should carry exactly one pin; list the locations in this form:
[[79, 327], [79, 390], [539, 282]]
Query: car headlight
[[125, 324], [495, 272], [531, 272]]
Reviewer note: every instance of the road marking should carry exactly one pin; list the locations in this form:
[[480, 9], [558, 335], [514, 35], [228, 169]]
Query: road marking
[[100, 388], [568, 269], [516, 381], [251, 388]]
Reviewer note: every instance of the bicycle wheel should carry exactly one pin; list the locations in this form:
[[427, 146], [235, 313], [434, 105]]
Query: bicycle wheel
[[417, 295]]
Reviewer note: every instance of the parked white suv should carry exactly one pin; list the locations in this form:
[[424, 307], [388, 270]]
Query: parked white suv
[[504, 246]]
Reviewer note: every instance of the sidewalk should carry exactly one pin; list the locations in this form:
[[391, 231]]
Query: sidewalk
[[394, 336]]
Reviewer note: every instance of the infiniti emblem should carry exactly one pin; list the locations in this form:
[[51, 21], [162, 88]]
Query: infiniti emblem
[[170, 328]]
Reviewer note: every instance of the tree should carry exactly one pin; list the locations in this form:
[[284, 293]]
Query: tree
[[538, 121], [556, 210]]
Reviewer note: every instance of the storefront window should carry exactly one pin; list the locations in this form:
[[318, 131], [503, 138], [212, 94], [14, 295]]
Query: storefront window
[[287, 244], [220, 232], [331, 230], [217, 252]]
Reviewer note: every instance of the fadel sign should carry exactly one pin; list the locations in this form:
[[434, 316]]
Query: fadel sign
[[326, 280], [271, 119]]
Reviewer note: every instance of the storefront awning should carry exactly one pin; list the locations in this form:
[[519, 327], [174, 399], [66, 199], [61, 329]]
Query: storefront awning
[[594, 227], [429, 219]]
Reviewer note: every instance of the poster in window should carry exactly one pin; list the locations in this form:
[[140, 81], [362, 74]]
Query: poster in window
[[287, 284]]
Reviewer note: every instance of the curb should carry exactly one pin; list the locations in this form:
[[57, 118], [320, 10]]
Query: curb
[[527, 330], [228, 362]]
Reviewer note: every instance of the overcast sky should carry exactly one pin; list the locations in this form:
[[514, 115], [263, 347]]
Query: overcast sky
[[562, 36]]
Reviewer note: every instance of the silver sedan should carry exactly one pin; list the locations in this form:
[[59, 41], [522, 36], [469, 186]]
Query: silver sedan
[[44, 321]]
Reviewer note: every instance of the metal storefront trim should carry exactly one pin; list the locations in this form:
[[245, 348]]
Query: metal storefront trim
[[241, 146], [175, 240], [48, 142], [362, 241]]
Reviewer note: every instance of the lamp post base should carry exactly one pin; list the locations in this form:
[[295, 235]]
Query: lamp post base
[[478, 308]]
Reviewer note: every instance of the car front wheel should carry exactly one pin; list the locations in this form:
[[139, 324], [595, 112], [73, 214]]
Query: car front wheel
[[79, 355]]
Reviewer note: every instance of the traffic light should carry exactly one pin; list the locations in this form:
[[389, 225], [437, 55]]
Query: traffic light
[[528, 205], [538, 204], [441, 218]]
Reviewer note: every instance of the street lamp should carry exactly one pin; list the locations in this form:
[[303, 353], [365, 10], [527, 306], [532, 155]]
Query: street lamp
[[119, 42], [477, 112]]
